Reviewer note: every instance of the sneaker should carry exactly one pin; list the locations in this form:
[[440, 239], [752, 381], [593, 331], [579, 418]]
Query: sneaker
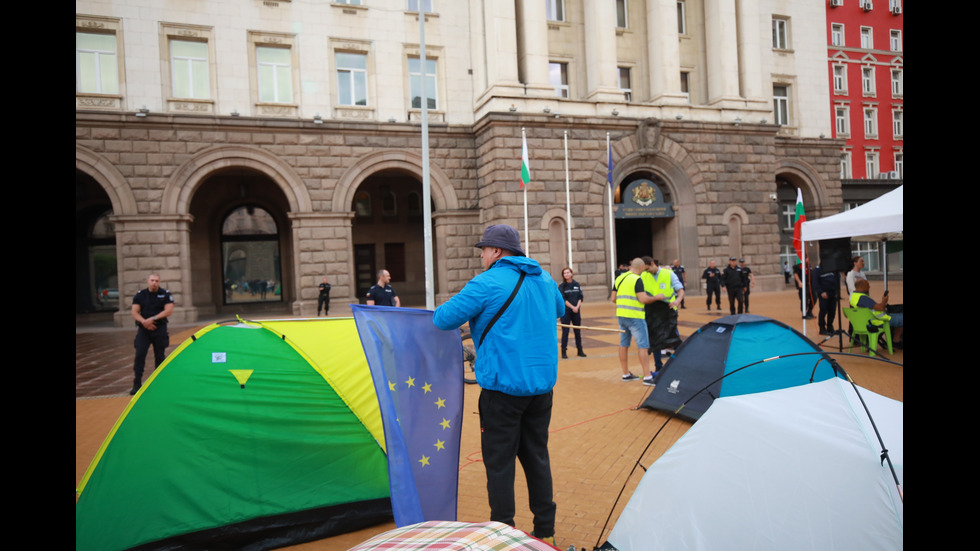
[[630, 377], [581, 354], [650, 380], [550, 540], [564, 355]]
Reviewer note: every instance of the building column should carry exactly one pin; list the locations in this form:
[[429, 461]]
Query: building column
[[663, 49], [532, 36], [600, 52], [500, 49], [721, 41], [154, 244], [322, 248], [750, 50]]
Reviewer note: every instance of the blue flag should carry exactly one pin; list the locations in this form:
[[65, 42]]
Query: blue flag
[[609, 166], [418, 376]]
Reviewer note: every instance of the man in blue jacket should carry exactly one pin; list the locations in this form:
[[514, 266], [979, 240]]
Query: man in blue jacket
[[512, 308]]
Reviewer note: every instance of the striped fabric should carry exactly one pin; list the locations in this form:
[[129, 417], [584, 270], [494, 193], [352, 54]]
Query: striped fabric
[[482, 536]]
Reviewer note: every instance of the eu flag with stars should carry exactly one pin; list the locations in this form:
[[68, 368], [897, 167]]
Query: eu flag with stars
[[418, 376]]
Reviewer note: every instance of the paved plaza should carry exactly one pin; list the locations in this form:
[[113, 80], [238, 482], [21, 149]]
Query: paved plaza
[[597, 435]]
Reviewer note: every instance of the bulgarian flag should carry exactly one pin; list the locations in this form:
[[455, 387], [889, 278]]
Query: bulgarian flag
[[525, 170], [798, 225]]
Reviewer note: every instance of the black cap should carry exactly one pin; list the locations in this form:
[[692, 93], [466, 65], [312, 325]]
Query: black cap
[[502, 236]]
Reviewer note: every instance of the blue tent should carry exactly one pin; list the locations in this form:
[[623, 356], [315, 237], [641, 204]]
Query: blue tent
[[714, 354]]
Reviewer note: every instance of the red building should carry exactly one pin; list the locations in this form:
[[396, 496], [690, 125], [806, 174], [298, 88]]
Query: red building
[[865, 59]]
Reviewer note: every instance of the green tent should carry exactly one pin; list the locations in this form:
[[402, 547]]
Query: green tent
[[249, 436]]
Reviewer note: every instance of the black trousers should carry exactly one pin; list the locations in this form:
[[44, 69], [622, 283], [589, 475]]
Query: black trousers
[[716, 290], [160, 340], [324, 303], [571, 318], [516, 427], [735, 295]]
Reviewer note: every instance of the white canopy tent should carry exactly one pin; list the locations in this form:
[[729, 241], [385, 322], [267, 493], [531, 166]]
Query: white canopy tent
[[879, 220]]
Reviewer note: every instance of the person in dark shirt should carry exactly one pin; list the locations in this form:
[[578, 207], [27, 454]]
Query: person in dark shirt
[[151, 308], [571, 291], [323, 300], [382, 294], [731, 280], [712, 283]]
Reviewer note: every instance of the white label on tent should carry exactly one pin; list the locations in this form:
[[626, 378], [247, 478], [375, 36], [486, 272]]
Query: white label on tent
[[219, 357], [720, 329]]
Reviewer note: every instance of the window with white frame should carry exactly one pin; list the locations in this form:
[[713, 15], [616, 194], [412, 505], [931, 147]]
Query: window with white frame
[[96, 63], [895, 6], [899, 161], [415, 76], [897, 83], [558, 76], [868, 81], [190, 72], [686, 83], [837, 34], [681, 18], [622, 14], [626, 83], [868, 250], [845, 165], [897, 123], [842, 120], [789, 216], [555, 10], [780, 33], [780, 104], [840, 79], [275, 74], [871, 164], [351, 78], [348, 2], [413, 5], [895, 40], [867, 40], [870, 122]]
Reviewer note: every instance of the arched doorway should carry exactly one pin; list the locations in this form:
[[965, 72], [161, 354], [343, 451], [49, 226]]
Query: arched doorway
[[645, 220], [388, 233], [96, 278], [240, 245]]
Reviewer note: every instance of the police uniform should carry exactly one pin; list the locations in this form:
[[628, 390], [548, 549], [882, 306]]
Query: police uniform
[[731, 279], [382, 296], [150, 305], [712, 278]]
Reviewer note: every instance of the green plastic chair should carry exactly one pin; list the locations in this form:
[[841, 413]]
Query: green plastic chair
[[863, 318]]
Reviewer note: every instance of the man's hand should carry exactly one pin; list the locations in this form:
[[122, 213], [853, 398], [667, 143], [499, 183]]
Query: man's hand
[[149, 324]]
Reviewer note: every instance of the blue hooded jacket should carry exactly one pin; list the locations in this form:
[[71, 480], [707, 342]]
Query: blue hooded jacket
[[520, 353]]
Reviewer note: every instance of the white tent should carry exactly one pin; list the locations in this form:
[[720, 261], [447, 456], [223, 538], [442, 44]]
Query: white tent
[[879, 220], [797, 468], [873, 221]]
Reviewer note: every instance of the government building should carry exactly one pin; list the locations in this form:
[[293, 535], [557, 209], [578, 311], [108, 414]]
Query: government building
[[247, 149]]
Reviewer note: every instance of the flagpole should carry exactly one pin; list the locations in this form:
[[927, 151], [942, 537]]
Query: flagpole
[[568, 207], [527, 247], [612, 226], [430, 301]]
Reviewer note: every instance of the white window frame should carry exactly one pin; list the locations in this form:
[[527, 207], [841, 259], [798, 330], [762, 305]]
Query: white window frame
[[780, 33], [281, 74], [895, 40], [868, 80], [354, 76], [898, 84], [840, 78], [893, 4], [622, 14], [898, 123], [900, 163], [842, 120], [781, 105], [191, 68], [681, 18], [104, 63], [872, 169], [867, 38], [871, 122], [627, 89], [413, 5], [561, 84], [837, 34], [431, 81], [845, 165], [868, 250], [555, 10]]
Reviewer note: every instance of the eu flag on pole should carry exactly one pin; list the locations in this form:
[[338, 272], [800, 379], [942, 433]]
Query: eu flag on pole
[[417, 371], [609, 166]]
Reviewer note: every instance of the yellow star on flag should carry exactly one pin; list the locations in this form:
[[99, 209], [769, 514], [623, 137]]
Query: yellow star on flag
[[440, 445], [424, 461], [410, 382], [445, 424], [427, 388], [391, 386], [440, 403]]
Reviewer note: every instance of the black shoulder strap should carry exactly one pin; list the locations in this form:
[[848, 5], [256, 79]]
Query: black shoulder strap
[[520, 281]]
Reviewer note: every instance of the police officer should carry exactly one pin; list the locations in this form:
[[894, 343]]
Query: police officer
[[731, 280], [712, 283], [151, 308]]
